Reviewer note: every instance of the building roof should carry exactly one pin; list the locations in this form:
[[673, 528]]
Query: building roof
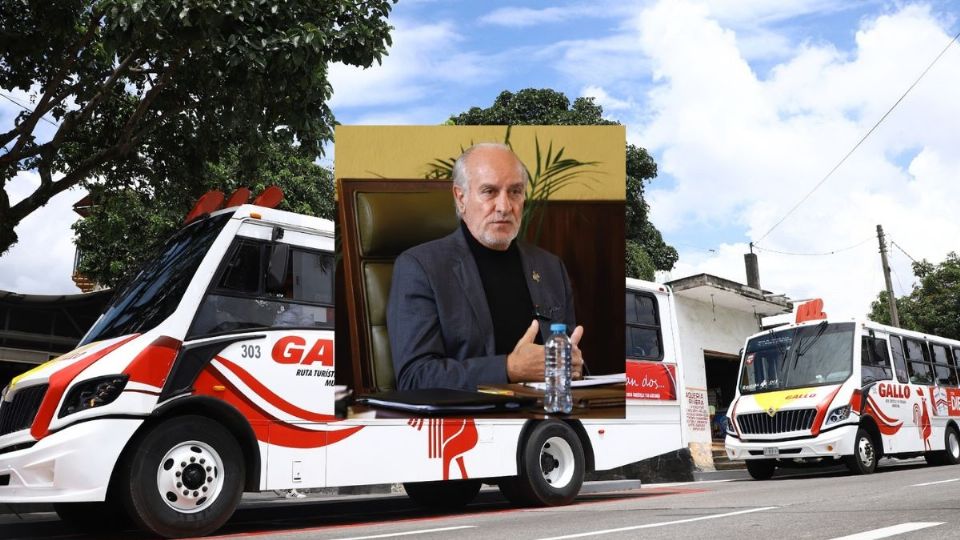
[[730, 294], [51, 324]]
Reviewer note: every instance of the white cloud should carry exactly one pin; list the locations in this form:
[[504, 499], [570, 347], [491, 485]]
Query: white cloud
[[743, 150], [523, 17], [42, 262], [423, 60], [605, 100], [519, 17]]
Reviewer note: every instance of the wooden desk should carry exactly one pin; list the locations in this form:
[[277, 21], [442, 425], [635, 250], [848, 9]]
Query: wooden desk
[[598, 402]]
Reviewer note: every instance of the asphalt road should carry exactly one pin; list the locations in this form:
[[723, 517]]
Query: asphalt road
[[902, 500]]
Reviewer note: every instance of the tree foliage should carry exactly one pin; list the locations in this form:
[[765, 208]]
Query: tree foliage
[[933, 306], [645, 249], [141, 89], [127, 225]]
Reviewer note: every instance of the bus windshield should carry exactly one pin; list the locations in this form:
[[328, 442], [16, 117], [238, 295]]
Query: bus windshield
[[155, 292], [798, 357]]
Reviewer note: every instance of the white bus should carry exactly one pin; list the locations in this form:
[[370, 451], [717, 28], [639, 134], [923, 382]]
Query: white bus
[[854, 390], [212, 374]]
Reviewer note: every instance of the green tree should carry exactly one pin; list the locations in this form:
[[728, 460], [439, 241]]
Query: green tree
[[127, 225], [133, 85], [645, 249], [933, 306]]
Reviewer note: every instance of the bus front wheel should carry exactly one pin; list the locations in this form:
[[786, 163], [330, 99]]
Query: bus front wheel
[[864, 458], [183, 477], [761, 469]]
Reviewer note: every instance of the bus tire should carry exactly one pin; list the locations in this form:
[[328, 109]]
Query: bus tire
[[864, 458], [443, 494], [93, 517], [951, 446], [761, 469], [551, 467], [182, 477], [950, 455]]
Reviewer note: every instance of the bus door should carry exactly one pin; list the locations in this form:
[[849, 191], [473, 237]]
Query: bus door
[[908, 401], [877, 379], [263, 341]]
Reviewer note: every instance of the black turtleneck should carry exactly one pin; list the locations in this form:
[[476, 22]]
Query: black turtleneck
[[505, 288]]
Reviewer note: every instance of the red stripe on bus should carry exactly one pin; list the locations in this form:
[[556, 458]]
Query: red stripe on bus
[[58, 386]]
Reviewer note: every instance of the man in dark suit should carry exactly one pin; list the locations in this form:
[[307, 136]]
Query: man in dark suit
[[466, 309]]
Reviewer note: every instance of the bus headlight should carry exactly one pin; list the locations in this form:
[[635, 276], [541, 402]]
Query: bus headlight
[[728, 424], [93, 393], [837, 415]]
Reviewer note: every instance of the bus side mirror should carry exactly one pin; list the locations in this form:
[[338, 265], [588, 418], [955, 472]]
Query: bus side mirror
[[277, 267]]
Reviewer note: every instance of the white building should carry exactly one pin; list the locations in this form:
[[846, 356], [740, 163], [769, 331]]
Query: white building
[[714, 318]]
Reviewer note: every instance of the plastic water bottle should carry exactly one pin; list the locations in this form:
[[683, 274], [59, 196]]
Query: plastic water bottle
[[557, 368]]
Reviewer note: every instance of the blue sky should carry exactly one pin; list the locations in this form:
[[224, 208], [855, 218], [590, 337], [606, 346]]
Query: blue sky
[[744, 104]]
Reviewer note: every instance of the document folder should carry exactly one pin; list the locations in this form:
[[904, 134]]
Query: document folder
[[445, 401]]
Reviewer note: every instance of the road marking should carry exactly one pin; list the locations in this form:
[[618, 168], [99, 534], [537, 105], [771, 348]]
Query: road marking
[[408, 533], [937, 482], [890, 531], [675, 484], [661, 524]]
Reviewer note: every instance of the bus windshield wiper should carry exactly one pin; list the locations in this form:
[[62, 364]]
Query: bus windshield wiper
[[821, 328]]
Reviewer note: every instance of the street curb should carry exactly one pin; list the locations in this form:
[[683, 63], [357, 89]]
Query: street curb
[[265, 499]]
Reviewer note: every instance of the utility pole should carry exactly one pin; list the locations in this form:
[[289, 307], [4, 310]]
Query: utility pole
[[891, 299]]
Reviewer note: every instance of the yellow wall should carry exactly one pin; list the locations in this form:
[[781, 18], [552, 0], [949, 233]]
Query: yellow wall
[[376, 152]]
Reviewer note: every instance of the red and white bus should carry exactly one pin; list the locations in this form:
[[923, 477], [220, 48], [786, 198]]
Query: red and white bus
[[824, 390], [212, 374]]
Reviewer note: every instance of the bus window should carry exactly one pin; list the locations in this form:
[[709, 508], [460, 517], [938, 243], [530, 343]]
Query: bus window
[[875, 363], [896, 348], [644, 340], [238, 301], [943, 365], [917, 362]]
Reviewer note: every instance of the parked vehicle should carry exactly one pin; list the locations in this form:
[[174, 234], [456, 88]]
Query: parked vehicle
[[822, 391], [212, 374]]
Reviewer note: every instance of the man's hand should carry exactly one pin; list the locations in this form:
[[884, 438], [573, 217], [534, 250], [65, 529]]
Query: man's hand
[[577, 367], [525, 363]]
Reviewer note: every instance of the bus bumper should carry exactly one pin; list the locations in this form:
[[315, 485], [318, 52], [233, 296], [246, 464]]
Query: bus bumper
[[833, 443], [71, 465]]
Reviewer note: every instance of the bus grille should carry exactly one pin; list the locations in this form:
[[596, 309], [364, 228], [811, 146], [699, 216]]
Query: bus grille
[[19, 413], [780, 422]]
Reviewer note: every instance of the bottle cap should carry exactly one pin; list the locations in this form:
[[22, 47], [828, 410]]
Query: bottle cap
[[558, 327]]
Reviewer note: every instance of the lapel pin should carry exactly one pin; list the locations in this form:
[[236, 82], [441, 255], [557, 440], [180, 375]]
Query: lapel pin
[[536, 276]]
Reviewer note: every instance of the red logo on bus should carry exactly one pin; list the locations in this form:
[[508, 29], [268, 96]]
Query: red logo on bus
[[293, 350], [448, 439], [893, 390]]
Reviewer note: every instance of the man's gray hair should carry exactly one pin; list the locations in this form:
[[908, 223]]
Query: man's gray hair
[[462, 180]]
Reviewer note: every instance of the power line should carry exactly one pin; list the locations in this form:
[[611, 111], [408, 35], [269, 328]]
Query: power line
[[818, 254], [902, 251], [24, 107], [862, 139]]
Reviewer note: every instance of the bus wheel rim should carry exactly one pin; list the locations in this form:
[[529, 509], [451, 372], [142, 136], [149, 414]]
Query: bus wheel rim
[[557, 463], [865, 451], [953, 444], [190, 477]]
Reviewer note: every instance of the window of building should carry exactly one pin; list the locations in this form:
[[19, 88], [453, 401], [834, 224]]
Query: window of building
[[644, 339], [874, 360]]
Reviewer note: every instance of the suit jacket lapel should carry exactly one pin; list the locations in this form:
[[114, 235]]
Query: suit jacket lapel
[[541, 302], [472, 288]]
